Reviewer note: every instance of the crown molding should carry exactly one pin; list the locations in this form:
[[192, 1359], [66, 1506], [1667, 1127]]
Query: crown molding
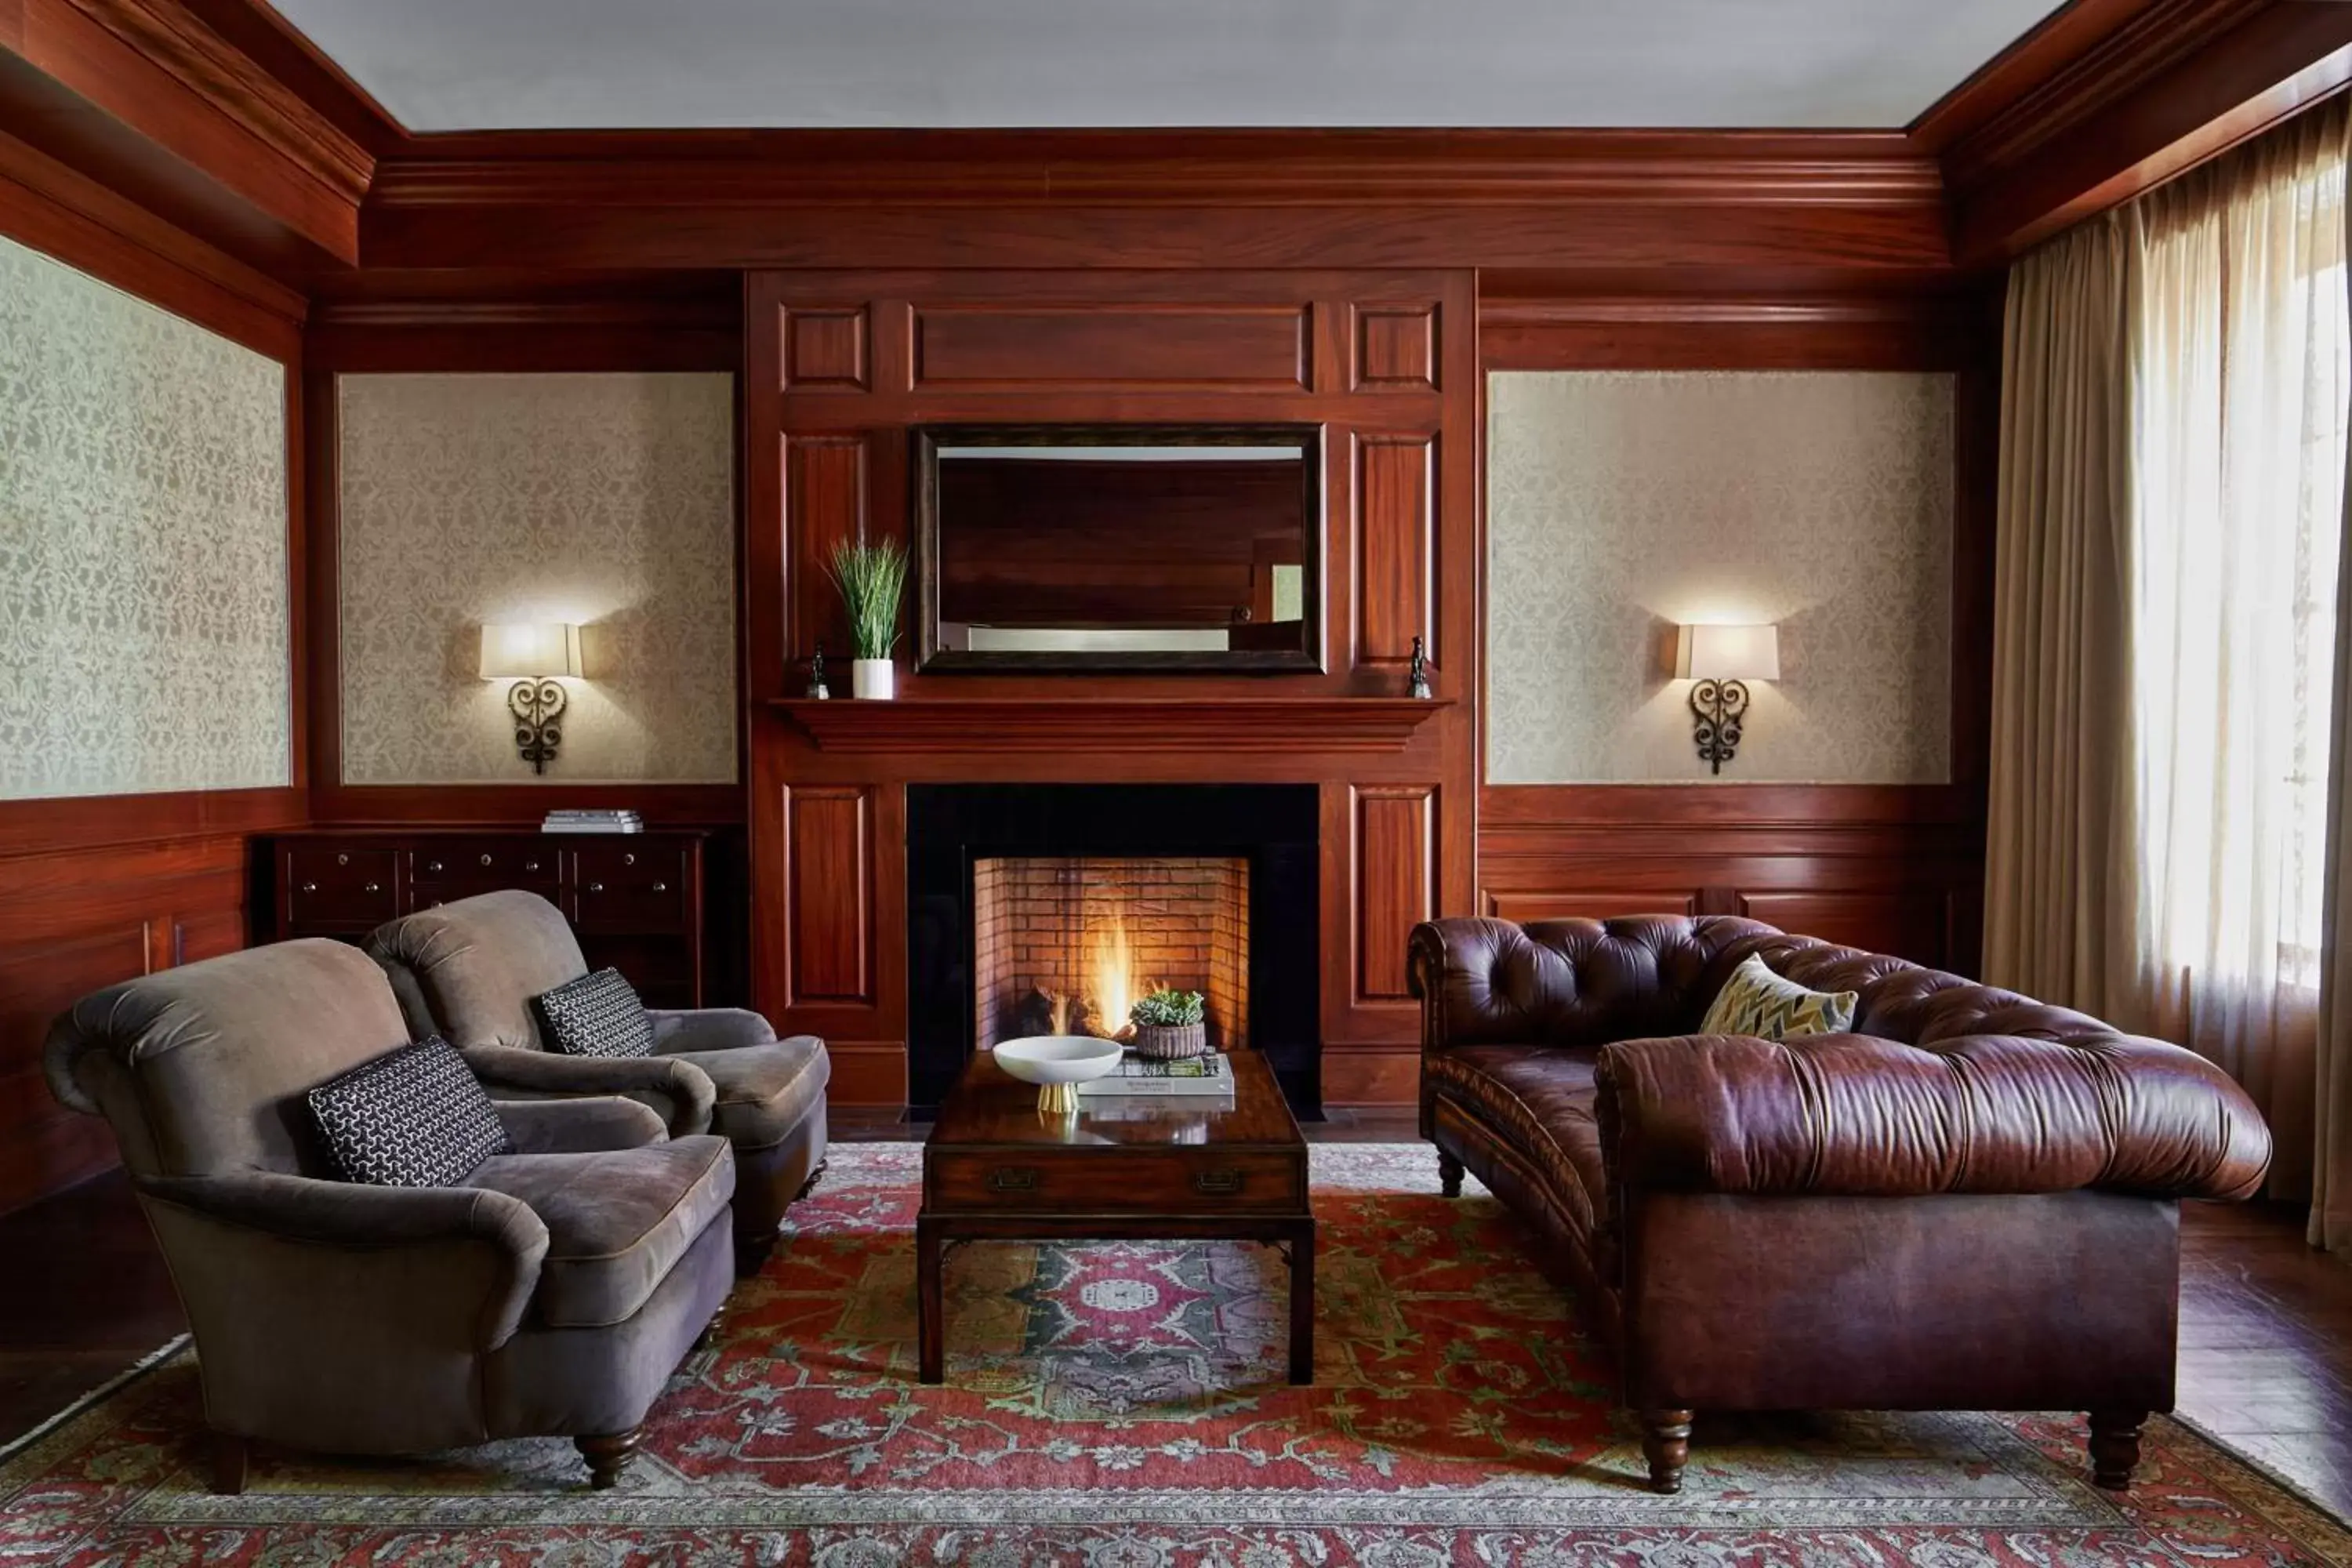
[[1145, 169], [170, 37]]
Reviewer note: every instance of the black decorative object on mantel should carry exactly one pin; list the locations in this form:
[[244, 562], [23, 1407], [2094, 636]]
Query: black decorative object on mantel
[[1418, 682], [1720, 706], [817, 690], [535, 705]]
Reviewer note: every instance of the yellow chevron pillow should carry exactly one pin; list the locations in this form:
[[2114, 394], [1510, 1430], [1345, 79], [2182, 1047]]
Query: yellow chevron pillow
[[1755, 1001]]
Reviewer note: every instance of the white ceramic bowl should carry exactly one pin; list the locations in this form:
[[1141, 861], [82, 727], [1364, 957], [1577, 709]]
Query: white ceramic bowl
[[1058, 1058]]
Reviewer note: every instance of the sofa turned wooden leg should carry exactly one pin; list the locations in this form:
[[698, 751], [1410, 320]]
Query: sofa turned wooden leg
[[608, 1455], [2114, 1446], [1666, 1443], [231, 1456], [1449, 1174]]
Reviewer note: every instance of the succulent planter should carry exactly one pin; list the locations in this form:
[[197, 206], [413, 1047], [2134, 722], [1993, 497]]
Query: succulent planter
[[1167, 1041]]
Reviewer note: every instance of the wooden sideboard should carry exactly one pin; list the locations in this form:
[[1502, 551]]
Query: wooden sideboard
[[637, 901]]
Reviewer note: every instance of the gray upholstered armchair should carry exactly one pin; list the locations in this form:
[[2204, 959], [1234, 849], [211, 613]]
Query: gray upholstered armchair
[[553, 1294], [467, 970]]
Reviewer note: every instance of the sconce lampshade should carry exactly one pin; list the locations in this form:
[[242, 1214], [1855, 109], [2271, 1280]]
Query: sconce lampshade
[[1728, 653], [535, 651]]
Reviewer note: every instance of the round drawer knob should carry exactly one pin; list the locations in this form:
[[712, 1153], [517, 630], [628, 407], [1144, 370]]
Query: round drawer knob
[[595, 887], [485, 860], [375, 887], [342, 859], [661, 887], [309, 887], [628, 859], [432, 865], [531, 865]]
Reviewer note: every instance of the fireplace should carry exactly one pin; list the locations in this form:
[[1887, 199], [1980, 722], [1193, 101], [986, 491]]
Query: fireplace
[[1046, 908]]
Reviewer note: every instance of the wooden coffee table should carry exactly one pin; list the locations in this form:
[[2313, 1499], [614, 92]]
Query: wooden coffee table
[[1133, 1169]]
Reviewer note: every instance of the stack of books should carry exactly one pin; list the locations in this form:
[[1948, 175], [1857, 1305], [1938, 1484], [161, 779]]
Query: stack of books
[[593, 822], [1207, 1076]]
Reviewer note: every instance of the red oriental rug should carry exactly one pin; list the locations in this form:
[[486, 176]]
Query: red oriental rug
[[1124, 1406]]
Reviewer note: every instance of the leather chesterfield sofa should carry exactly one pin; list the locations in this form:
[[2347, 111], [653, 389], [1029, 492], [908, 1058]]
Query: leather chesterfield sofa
[[1969, 1202]]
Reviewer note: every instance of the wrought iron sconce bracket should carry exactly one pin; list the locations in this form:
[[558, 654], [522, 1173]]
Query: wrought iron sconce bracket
[[536, 705], [1718, 707]]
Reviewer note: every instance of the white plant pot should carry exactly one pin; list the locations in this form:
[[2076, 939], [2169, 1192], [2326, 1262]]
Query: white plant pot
[[873, 678]]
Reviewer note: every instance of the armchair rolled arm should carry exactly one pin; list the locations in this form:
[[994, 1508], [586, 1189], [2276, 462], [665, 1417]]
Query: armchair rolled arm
[[579, 1126], [708, 1029], [1851, 1114], [681, 1092], [347, 1247]]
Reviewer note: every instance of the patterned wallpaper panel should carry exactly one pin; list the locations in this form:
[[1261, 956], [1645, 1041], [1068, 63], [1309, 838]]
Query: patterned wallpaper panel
[[1621, 504], [606, 500], [143, 595]]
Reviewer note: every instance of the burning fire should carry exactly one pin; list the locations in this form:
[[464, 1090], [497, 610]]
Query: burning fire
[[1110, 976]]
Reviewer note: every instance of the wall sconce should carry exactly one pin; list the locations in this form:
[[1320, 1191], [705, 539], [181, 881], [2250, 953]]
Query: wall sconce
[[1722, 659], [534, 656]]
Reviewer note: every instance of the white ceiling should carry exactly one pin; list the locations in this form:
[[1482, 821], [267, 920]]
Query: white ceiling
[[462, 65]]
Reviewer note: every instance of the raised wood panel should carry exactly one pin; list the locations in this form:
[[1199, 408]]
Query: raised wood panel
[[830, 875], [1911, 924], [43, 1145], [1396, 347], [825, 349], [1371, 1075], [1525, 907], [1396, 883], [1396, 540], [1227, 348], [824, 505]]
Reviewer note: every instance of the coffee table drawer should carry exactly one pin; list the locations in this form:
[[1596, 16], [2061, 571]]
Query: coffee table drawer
[[1123, 1182]]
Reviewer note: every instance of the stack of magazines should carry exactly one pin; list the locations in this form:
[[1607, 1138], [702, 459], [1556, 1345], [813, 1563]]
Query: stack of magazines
[[1209, 1076], [593, 822]]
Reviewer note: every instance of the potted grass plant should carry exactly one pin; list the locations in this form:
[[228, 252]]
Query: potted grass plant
[[871, 578], [1170, 1024]]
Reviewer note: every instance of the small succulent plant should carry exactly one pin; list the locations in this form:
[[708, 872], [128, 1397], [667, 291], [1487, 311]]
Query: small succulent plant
[[1169, 1009]]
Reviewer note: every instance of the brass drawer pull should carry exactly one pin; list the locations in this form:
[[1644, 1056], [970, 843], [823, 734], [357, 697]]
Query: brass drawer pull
[[661, 887], [1012, 1179], [485, 860], [628, 859], [432, 865], [595, 887], [309, 887], [375, 887], [1217, 1183], [531, 865]]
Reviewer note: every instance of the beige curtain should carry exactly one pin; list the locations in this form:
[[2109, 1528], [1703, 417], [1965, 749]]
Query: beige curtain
[[2060, 852], [2331, 1174], [2168, 607]]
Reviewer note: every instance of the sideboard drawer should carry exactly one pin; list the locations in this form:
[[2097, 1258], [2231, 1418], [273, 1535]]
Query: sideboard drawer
[[1203, 1183], [339, 886], [441, 872], [629, 886]]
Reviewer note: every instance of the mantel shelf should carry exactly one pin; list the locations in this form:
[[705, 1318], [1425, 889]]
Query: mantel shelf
[[1121, 725]]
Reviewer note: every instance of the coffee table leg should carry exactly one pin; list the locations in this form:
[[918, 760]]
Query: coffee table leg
[[930, 1307], [1302, 1304]]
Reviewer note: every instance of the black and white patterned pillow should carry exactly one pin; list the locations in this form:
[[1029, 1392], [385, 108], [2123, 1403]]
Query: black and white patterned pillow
[[415, 1117], [596, 1015]]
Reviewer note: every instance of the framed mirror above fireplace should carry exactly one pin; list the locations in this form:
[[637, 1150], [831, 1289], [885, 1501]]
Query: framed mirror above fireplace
[[1095, 549]]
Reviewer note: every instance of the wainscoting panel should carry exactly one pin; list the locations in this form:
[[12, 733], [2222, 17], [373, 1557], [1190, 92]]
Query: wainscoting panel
[[826, 350], [1175, 346], [1396, 490], [831, 875], [824, 505], [1396, 883]]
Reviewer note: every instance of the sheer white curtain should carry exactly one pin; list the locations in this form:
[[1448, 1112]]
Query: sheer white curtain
[[2240, 362]]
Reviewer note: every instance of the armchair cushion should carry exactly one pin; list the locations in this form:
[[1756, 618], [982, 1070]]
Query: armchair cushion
[[415, 1117], [597, 1015], [764, 1092], [617, 1222], [579, 1126]]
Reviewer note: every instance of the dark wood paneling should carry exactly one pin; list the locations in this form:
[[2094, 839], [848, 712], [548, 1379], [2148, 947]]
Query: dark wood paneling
[[1909, 922], [1524, 906], [1396, 582], [1160, 347], [1396, 346], [1396, 882], [75, 922], [829, 876], [824, 506], [1673, 332], [825, 348]]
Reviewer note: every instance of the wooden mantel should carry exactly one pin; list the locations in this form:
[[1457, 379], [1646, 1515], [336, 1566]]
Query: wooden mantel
[[1127, 726]]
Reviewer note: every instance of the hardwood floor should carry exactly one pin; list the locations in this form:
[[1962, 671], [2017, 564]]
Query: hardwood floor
[[2265, 1322]]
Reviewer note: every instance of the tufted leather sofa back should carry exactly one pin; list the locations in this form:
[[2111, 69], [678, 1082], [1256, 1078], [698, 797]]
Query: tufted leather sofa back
[[1589, 983]]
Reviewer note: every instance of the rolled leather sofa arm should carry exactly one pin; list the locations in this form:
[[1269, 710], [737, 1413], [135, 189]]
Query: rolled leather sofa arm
[[685, 1091], [1851, 1114], [353, 1248]]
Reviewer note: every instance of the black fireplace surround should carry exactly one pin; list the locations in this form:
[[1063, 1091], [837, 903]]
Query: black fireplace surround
[[1273, 827]]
